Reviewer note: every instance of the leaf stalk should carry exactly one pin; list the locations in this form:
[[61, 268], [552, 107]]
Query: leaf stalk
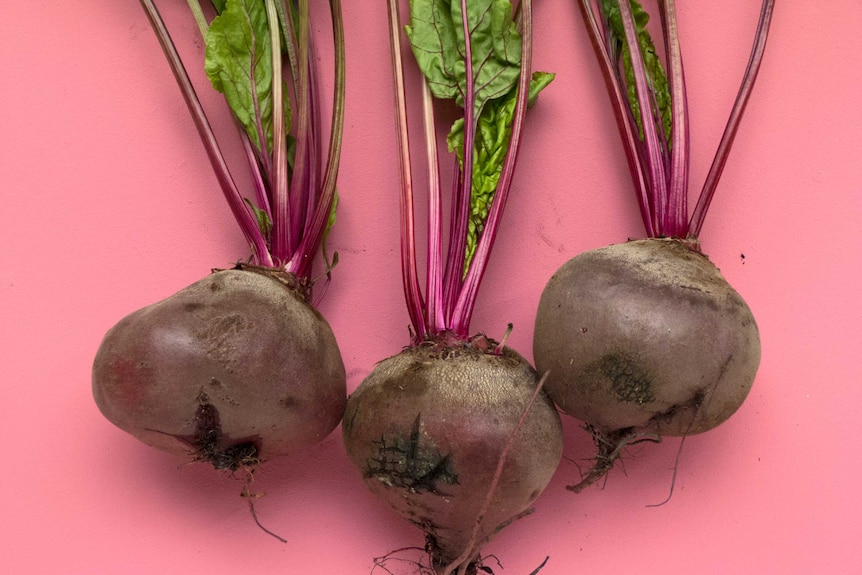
[[296, 198], [659, 165]]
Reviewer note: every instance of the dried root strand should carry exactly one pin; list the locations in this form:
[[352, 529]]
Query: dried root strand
[[610, 448], [250, 496], [399, 555]]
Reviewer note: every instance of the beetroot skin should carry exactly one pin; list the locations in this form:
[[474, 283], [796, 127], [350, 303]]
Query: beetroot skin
[[647, 335], [427, 429], [235, 369]]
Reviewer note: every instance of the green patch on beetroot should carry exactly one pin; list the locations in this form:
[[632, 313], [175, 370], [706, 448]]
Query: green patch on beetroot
[[630, 383], [411, 463]]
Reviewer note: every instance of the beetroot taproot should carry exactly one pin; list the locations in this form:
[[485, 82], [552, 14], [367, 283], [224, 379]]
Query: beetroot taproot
[[234, 369], [651, 334], [427, 428]]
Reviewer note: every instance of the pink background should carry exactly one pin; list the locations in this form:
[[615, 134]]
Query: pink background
[[108, 204]]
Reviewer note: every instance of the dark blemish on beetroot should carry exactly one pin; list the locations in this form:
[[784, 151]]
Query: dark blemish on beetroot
[[411, 463], [192, 307], [629, 382], [288, 402], [209, 439]]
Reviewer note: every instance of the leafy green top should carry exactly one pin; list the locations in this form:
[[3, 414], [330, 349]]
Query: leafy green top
[[475, 53], [239, 65], [651, 109], [436, 32], [437, 36], [291, 209]]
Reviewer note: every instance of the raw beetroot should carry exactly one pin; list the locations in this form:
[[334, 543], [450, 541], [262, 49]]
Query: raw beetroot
[[239, 367], [646, 338], [455, 432], [427, 430], [234, 369]]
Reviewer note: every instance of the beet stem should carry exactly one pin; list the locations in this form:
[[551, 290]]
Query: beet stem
[[458, 232], [199, 16], [409, 275], [499, 349], [661, 182], [278, 177], [657, 184], [619, 105], [454, 275], [463, 310], [287, 235], [260, 189], [679, 161], [313, 232], [745, 89], [434, 277], [246, 220]]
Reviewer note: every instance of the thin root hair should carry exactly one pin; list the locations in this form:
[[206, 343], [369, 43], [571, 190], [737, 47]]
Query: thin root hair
[[250, 496], [705, 399], [673, 476], [541, 566], [611, 447], [393, 556]]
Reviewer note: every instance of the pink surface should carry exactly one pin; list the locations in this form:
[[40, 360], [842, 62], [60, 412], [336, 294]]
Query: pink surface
[[108, 204]]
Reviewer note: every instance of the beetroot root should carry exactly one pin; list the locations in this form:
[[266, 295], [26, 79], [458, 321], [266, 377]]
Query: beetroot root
[[648, 335], [427, 429], [235, 369]]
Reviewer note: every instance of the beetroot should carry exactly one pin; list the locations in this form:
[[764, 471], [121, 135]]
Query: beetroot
[[653, 336], [455, 432], [646, 338], [239, 367], [234, 369], [427, 429]]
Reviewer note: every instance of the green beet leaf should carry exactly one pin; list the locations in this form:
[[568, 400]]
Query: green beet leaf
[[239, 64], [492, 142], [436, 33], [656, 76], [437, 37]]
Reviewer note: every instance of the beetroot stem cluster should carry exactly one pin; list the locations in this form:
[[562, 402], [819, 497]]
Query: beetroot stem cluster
[[658, 159], [446, 305]]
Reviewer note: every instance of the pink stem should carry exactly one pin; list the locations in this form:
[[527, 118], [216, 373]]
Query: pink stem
[[241, 212], [619, 104], [655, 162], [434, 280], [678, 184], [315, 228], [455, 272], [463, 311], [409, 274], [721, 155]]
